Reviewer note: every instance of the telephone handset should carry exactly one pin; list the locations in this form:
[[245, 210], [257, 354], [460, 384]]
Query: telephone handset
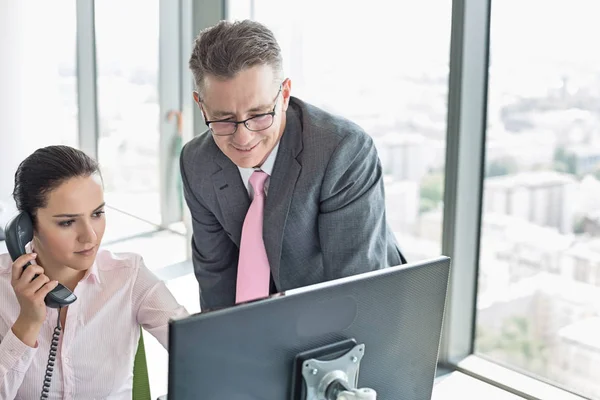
[[19, 232]]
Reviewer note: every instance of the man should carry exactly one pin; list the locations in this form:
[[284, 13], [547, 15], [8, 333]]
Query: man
[[281, 193]]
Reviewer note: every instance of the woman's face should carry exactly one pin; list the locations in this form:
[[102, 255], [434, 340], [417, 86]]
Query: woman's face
[[70, 228]]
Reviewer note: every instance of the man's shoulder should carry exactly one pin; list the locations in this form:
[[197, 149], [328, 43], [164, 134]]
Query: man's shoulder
[[197, 155], [325, 126], [201, 144], [327, 132]]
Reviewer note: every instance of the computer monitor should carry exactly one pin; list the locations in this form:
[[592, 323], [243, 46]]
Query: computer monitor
[[378, 330]]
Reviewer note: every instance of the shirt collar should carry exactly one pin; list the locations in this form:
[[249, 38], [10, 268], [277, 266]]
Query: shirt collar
[[90, 274], [267, 166]]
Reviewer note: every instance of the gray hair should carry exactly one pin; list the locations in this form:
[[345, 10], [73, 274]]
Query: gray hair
[[227, 48]]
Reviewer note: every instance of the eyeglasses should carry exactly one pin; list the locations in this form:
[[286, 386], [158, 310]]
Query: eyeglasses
[[256, 123]]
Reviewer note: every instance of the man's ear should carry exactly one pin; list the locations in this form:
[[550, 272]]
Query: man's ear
[[196, 97], [286, 92]]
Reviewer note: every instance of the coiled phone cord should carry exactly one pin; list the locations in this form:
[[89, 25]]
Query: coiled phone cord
[[51, 358]]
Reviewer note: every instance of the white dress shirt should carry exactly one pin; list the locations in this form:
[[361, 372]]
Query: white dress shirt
[[267, 167], [117, 295]]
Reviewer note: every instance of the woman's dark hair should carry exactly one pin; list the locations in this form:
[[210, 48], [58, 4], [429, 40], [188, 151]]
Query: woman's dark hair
[[45, 170]]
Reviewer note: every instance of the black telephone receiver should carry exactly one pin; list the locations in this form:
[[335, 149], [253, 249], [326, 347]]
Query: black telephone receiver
[[19, 232]]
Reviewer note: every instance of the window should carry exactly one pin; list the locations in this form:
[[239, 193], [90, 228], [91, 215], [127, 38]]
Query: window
[[127, 43], [38, 85], [538, 308], [365, 64], [51, 65]]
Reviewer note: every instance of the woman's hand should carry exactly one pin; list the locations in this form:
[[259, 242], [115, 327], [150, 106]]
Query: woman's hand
[[30, 294]]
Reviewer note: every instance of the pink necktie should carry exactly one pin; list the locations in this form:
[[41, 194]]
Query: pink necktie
[[253, 277]]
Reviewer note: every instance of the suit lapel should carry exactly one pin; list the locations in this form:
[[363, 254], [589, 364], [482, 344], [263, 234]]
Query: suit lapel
[[281, 190], [232, 197]]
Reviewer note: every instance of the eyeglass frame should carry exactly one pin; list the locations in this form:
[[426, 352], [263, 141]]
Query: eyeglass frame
[[237, 123]]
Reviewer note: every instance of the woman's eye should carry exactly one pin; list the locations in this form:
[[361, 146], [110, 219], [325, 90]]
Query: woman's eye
[[66, 223], [98, 214]]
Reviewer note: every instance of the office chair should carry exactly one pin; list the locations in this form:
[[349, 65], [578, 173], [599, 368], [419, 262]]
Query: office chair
[[141, 383]]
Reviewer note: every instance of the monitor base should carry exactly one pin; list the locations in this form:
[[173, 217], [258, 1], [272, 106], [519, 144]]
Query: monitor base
[[331, 373]]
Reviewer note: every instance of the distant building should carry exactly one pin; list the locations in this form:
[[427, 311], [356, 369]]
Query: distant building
[[431, 224], [590, 223], [586, 158], [589, 195], [404, 156], [527, 149], [549, 301], [401, 204], [519, 246], [545, 198], [582, 262], [524, 247], [576, 357], [415, 248], [551, 307]]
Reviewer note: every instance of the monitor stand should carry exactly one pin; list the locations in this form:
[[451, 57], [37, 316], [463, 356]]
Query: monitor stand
[[357, 394], [331, 373]]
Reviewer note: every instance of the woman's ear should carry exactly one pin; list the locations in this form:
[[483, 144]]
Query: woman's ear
[[36, 228]]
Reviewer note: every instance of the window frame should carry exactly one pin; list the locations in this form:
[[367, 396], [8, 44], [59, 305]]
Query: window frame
[[176, 25], [463, 204], [465, 160]]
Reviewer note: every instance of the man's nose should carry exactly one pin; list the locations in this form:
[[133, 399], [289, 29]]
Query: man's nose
[[243, 136]]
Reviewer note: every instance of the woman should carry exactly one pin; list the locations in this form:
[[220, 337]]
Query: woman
[[61, 189]]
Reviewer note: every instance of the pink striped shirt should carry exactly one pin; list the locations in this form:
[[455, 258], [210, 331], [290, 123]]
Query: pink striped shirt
[[95, 356]]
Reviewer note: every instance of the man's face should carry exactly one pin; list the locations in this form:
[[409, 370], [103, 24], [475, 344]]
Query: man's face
[[253, 91]]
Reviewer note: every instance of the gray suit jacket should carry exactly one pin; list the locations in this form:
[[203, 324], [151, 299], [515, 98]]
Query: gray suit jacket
[[324, 215]]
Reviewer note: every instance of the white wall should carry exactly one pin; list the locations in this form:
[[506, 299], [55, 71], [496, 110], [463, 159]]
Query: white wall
[[12, 144], [30, 106]]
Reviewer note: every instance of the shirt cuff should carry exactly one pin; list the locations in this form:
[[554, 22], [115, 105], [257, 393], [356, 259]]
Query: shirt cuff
[[16, 355]]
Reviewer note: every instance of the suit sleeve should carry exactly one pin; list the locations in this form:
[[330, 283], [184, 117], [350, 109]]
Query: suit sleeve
[[214, 255], [352, 222]]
